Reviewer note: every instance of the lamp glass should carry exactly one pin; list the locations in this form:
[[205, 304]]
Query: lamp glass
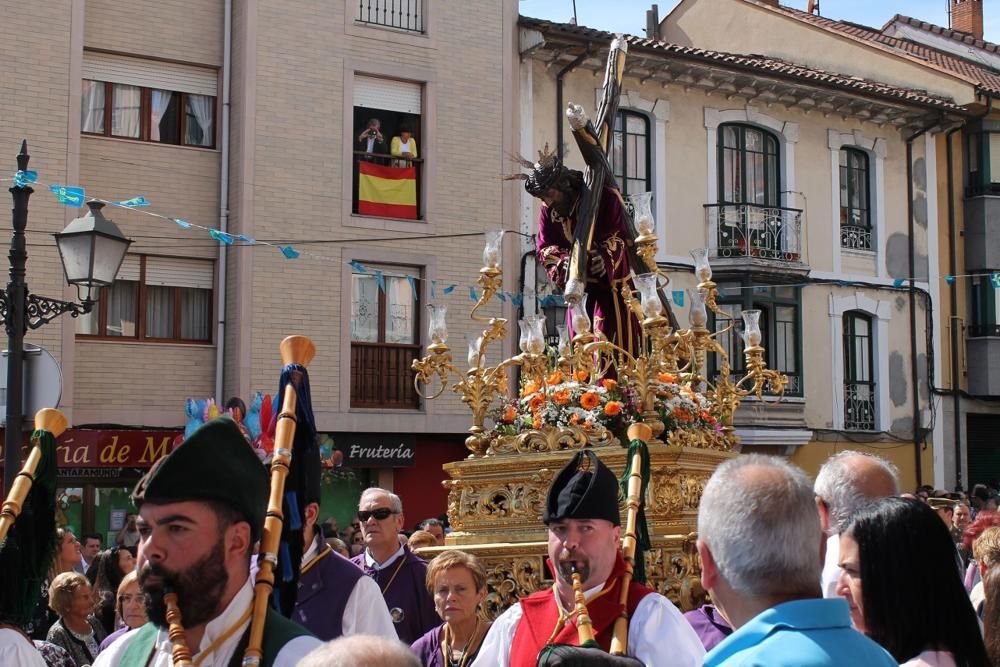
[[437, 328]]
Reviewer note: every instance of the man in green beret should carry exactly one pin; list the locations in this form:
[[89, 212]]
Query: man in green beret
[[201, 511]]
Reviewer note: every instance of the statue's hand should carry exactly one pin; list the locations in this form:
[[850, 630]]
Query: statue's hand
[[597, 267]]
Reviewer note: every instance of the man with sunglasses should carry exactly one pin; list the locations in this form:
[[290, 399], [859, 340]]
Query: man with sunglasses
[[400, 574]]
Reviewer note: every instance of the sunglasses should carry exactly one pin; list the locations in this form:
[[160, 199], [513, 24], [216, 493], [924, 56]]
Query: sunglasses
[[381, 514]]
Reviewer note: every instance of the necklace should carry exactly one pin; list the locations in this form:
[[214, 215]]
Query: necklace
[[448, 650], [82, 636]]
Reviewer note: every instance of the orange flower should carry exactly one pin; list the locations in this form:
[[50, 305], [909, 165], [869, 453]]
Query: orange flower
[[590, 400], [536, 402], [581, 376], [537, 422], [613, 408], [509, 414], [530, 388], [574, 419], [666, 377], [589, 424], [561, 397], [554, 378], [609, 384]]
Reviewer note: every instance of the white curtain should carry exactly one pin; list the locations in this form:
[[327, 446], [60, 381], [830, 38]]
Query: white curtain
[[121, 308], [364, 309], [159, 312], [400, 305], [92, 109], [195, 309], [125, 111], [159, 101], [201, 107]]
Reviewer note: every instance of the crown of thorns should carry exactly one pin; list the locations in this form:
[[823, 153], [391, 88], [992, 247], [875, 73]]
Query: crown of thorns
[[542, 174]]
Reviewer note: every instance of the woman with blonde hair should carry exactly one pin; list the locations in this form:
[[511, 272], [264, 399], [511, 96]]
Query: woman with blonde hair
[[66, 557], [130, 608], [457, 582], [985, 557], [77, 631]]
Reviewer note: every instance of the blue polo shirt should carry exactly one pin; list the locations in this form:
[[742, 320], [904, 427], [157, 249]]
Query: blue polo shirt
[[802, 633]]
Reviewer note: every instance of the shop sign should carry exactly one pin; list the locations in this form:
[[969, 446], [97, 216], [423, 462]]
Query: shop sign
[[376, 450], [84, 448]]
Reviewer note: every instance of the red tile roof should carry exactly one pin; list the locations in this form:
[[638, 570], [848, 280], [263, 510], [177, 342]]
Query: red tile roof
[[956, 35]]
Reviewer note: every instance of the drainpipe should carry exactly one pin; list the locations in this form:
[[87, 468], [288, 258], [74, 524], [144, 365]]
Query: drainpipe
[[955, 319], [559, 97], [220, 308], [917, 439]]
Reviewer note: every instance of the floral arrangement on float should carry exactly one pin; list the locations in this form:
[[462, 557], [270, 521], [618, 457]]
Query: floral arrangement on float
[[680, 407]]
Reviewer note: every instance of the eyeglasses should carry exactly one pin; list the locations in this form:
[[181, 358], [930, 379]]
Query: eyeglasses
[[127, 599], [381, 514]]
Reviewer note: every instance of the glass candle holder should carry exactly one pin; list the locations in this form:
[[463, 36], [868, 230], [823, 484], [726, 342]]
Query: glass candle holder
[[474, 345], [643, 213], [579, 317], [533, 334], [702, 269], [698, 314], [648, 296], [491, 254], [565, 348], [437, 329], [751, 328]]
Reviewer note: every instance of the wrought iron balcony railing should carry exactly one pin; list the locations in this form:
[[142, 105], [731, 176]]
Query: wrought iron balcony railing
[[769, 233], [400, 14], [859, 406], [853, 237], [983, 330]]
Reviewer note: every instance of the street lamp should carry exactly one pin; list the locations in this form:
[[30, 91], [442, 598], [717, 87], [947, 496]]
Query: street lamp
[[91, 249]]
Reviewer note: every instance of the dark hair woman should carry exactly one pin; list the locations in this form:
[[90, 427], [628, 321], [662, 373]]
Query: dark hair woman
[[900, 579], [105, 574]]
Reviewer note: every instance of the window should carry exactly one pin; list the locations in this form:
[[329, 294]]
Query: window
[[388, 145], [983, 320], [859, 381], [984, 163], [147, 114], [384, 338], [402, 14], [780, 326], [630, 152], [748, 162], [855, 208], [155, 298]]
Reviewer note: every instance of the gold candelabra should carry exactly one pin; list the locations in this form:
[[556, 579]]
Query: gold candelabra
[[665, 355]]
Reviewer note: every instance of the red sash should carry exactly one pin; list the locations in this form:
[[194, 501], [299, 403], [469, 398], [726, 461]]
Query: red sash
[[540, 615]]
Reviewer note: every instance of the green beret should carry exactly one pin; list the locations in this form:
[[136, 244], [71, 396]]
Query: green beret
[[584, 489], [214, 464]]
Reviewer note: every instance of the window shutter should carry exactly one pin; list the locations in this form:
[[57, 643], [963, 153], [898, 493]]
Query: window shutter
[[175, 272], [388, 94], [129, 269], [150, 74]]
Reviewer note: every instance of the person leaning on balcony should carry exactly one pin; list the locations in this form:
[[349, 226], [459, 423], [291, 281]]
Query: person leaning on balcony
[[403, 146], [371, 140], [584, 530]]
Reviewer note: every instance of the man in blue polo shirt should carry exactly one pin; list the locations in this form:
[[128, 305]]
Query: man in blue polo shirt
[[761, 549]]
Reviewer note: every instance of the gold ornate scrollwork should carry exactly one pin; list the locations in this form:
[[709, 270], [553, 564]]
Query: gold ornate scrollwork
[[508, 581], [553, 439], [676, 573]]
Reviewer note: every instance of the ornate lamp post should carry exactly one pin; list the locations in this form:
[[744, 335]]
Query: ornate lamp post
[[91, 249]]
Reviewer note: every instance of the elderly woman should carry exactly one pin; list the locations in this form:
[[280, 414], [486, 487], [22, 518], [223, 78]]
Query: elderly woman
[[105, 575], [458, 583], [77, 630], [130, 608], [897, 564], [67, 556]]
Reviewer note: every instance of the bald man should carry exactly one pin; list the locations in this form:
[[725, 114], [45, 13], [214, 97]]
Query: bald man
[[847, 482]]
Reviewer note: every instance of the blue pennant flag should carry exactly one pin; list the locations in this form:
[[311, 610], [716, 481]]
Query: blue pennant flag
[[380, 280], [289, 252], [678, 297], [183, 224], [995, 279], [413, 287], [950, 280], [500, 295], [472, 294], [221, 237], [246, 239], [898, 282], [517, 299], [22, 178], [357, 266], [69, 195], [134, 202], [449, 289], [434, 289]]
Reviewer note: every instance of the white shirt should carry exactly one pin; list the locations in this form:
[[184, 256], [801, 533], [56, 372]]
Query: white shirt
[[288, 656], [831, 567], [372, 563], [16, 649], [658, 635], [931, 658], [366, 612]]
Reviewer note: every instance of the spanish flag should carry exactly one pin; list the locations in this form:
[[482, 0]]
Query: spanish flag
[[388, 192]]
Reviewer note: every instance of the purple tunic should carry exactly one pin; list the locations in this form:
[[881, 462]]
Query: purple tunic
[[404, 588], [110, 639], [323, 593], [428, 648], [605, 305], [709, 625]]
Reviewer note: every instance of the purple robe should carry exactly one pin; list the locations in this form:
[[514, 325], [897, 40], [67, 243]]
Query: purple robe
[[607, 309], [428, 648], [323, 593], [409, 602], [709, 625]]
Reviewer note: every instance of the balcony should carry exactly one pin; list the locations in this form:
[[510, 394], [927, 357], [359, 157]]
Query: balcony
[[982, 235], [754, 234], [859, 406], [387, 186], [983, 350], [405, 15], [382, 377]]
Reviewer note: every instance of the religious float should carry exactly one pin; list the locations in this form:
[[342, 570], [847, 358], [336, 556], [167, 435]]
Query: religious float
[[587, 391]]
